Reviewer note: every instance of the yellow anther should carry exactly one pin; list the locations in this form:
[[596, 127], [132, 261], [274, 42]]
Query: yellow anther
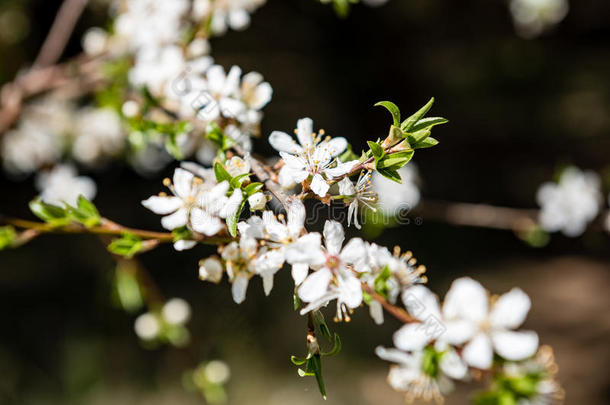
[[167, 182]]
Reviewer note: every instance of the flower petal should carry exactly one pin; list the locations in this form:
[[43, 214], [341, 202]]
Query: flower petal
[[353, 251], [232, 205], [466, 299], [162, 205], [341, 169], [515, 345], [203, 222], [333, 236], [175, 220], [299, 272], [452, 365], [376, 312], [510, 310], [239, 288], [421, 303], [393, 355], [307, 249], [412, 337], [296, 216], [182, 244], [282, 142], [350, 290], [183, 182], [458, 331], [315, 285], [479, 353], [305, 131], [319, 185]]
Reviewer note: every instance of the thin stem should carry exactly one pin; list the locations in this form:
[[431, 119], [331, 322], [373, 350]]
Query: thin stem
[[109, 228], [393, 310], [60, 32]]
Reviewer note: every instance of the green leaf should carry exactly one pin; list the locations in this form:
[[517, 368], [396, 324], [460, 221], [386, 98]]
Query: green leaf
[[390, 174], [85, 212], [171, 146], [238, 180], [182, 233], [298, 361], [428, 123], [336, 347], [408, 124], [221, 173], [8, 235], [127, 246], [49, 213], [426, 143], [315, 364], [252, 188], [296, 301], [381, 285], [218, 137], [376, 149], [415, 137], [393, 109], [233, 219], [128, 289], [395, 160], [320, 323]]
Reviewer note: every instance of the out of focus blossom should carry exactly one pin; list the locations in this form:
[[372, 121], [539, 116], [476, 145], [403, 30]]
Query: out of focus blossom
[[234, 14], [98, 135], [394, 197], [63, 185], [532, 17], [570, 204]]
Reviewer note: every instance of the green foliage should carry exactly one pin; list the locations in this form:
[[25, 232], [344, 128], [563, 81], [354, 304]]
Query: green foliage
[[8, 235], [393, 109], [341, 7], [144, 129], [127, 289], [84, 213], [510, 389], [239, 182], [381, 282], [127, 246], [313, 360], [182, 233], [51, 214], [218, 137], [348, 155]]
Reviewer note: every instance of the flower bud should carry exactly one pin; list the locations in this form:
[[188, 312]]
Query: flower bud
[[257, 201], [210, 269]]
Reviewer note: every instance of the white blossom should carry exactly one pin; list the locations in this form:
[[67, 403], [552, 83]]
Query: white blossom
[[176, 311], [211, 269], [147, 326], [62, 184], [98, 134], [469, 318], [570, 204], [394, 197], [333, 277], [278, 236], [532, 17], [359, 194], [410, 373], [237, 166], [195, 203], [257, 201], [150, 23], [225, 14], [312, 156]]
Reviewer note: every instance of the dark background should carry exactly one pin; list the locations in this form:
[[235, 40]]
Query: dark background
[[519, 109]]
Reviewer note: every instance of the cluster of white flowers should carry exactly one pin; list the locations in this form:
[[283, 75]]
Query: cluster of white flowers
[[313, 160], [52, 129], [570, 204], [532, 17], [63, 185], [225, 14], [466, 332], [166, 324], [197, 202]]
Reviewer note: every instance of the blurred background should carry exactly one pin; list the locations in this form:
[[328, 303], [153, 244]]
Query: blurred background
[[519, 109]]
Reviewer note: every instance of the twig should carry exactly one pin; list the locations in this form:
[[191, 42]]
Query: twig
[[60, 32], [393, 310], [263, 175], [107, 227]]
